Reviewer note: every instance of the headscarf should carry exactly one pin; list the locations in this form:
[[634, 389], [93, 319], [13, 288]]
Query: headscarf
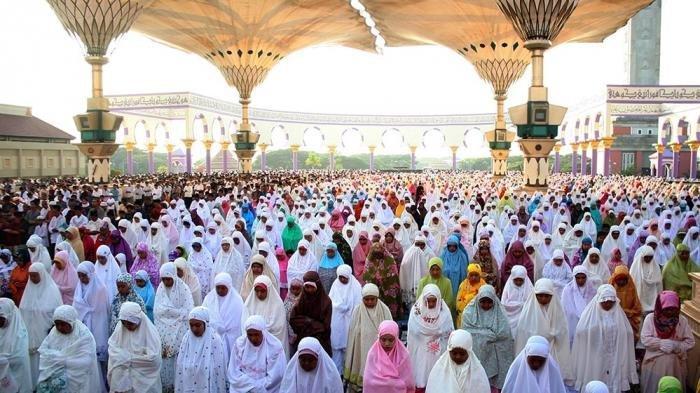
[[72, 256], [345, 298], [629, 301], [455, 263], [298, 264], [490, 330], [514, 297], [272, 308], [150, 264], [646, 277], [121, 247], [76, 242], [675, 274], [331, 263], [147, 293], [225, 312], [599, 273], [521, 378], [66, 279], [249, 279], [119, 300], [134, 357], [291, 234], [230, 262], [511, 260], [666, 326], [201, 263], [669, 384], [574, 299], [191, 280], [390, 371], [323, 379], [14, 347], [447, 376], [92, 303], [40, 253], [317, 307], [38, 304], [260, 367], [171, 309], [201, 361], [359, 255]]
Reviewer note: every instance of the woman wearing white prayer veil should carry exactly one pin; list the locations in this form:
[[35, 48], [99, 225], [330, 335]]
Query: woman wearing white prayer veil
[[429, 326], [38, 252], [311, 370], [257, 359], [91, 301], [107, 270], [14, 355], [598, 271], [67, 359], [243, 247], [414, 266], [258, 267], [301, 261], [187, 275], [544, 316], [170, 311], [515, 293], [612, 242], [134, 353], [266, 302], [692, 238], [201, 262], [345, 294], [201, 361], [158, 243], [40, 299], [576, 296], [595, 387], [226, 310], [646, 274], [534, 370], [458, 369], [268, 252], [72, 256], [128, 233], [229, 260], [604, 344]]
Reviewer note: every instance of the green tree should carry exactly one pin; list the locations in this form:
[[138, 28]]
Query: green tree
[[313, 160]]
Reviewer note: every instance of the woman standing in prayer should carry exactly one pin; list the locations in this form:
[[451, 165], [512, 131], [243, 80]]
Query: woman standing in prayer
[[64, 275], [226, 310], [72, 256], [629, 301], [392, 246], [516, 256], [311, 316], [73, 237], [145, 260], [302, 261], [201, 262], [454, 261], [413, 267], [243, 247], [491, 333], [67, 359], [134, 353], [458, 369], [14, 353], [558, 271], [296, 286], [429, 327], [107, 270], [291, 235], [119, 245], [346, 295], [468, 290], [257, 360], [145, 291], [381, 270], [534, 370], [675, 273], [667, 337], [516, 292], [40, 299], [329, 264], [489, 266], [172, 307], [38, 252], [435, 277], [92, 304], [188, 277], [544, 316], [229, 260], [646, 274], [201, 360], [258, 267], [577, 295], [616, 260], [266, 302], [598, 271], [603, 347], [391, 363], [359, 255], [364, 326], [125, 293], [311, 370], [19, 276]]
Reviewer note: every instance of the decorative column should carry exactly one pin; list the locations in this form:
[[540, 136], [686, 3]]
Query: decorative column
[[207, 156], [557, 159], [607, 143], [263, 156], [151, 163], [188, 154], [224, 155], [331, 157], [584, 158], [676, 169], [454, 157], [499, 162], [693, 145], [500, 139], [574, 157], [129, 147], [371, 157], [295, 157], [245, 139], [537, 23], [660, 160], [594, 157], [413, 157], [169, 148]]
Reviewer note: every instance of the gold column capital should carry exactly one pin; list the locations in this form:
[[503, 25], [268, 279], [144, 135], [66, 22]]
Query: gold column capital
[[224, 144], [675, 147], [660, 148], [556, 148], [169, 147], [208, 144], [372, 148], [129, 145], [151, 146], [294, 148], [693, 145], [454, 149], [262, 146], [574, 147], [607, 141], [188, 143], [331, 149], [413, 148]]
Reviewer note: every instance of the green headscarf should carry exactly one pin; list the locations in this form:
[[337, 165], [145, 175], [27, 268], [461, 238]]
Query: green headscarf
[[670, 385], [675, 274], [291, 235], [443, 283]]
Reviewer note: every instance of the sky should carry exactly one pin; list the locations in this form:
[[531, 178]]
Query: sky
[[42, 66]]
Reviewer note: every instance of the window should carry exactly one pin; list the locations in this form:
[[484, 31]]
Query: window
[[30, 163], [628, 160], [639, 131], [6, 163], [650, 132]]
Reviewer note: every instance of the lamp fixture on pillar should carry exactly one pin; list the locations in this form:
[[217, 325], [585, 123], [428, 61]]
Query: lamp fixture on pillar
[[96, 24], [537, 23]]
